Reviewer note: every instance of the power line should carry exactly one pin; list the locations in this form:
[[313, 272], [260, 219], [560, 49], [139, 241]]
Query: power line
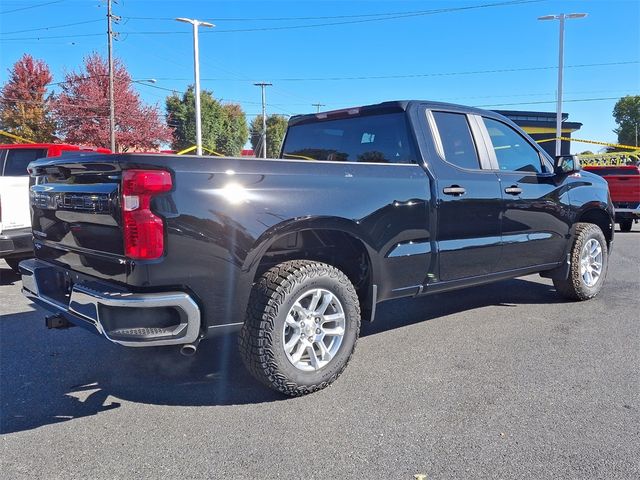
[[53, 37], [446, 74], [29, 7], [284, 19], [52, 27], [367, 20], [545, 101], [326, 24], [413, 75]]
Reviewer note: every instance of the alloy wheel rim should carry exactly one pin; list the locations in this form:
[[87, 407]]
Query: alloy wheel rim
[[591, 262], [313, 330]]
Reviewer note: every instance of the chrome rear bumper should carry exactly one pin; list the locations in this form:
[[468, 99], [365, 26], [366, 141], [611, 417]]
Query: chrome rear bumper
[[104, 309], [635, 211]]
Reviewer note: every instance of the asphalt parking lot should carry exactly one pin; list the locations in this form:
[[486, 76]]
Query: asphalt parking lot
[[499, 381]]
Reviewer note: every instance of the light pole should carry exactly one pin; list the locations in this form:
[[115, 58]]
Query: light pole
[[196, 73], [263, 85], [562, 17], [112, 105]]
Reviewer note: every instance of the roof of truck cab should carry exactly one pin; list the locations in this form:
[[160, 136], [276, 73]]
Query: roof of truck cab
[[385, 107]]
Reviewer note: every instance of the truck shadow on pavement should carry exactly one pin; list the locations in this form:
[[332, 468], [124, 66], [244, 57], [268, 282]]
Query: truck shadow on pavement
[[48, 377], [8, 276]]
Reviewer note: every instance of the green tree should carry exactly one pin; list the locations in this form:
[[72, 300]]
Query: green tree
[[235, 131], [25, 106], [276, 128], [626, 113], [224, 127]]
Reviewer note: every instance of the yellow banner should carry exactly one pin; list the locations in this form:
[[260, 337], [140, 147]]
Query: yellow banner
[[594, 142], [191, 149], [15, 137]]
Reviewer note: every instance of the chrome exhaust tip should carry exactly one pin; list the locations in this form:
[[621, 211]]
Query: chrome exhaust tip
[[189, 349]]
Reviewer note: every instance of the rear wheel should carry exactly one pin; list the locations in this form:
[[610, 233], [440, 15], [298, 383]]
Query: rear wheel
[[301, 328], [626, 224], [588, 264]]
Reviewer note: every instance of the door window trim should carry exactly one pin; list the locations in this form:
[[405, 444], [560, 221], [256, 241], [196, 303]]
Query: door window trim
[[476, 137]]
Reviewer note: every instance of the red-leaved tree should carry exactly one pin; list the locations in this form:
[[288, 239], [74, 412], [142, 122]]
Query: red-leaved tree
[[82, 109], [24, 101]]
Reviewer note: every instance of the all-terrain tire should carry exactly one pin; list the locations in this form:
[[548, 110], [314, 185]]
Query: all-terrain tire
[[626, 224], [261, 339], [575, 286]]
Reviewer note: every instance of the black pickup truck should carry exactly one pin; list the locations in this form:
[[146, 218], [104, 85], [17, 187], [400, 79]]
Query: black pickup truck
[[365, 205]]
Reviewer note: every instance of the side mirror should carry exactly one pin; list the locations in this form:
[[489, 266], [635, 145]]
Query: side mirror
[[567, 164]]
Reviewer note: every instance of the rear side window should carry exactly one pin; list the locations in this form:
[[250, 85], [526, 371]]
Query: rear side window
[[18, 159], [457, 142], [513, 152], [372, 138]]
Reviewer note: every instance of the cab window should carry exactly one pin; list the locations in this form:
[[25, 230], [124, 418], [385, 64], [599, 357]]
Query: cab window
[[513, 152], [17, 160], [382, 138]]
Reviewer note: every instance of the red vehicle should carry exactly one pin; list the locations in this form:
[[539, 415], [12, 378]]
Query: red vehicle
[[624, 187], [15, 220]]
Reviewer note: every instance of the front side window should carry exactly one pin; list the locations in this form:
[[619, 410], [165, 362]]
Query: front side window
[[457, 142], [513, 152], [370, 138], [19, 158]]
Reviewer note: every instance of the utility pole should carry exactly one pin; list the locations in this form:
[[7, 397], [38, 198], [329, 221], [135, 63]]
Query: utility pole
[[318, 105], [562, 17], [262, 86], [196, 74], [112, 106]]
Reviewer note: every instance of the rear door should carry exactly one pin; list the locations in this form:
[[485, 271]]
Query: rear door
[[14, 186], [469, 201], [535, 211]]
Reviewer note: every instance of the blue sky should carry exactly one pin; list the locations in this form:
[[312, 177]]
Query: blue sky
[[301, 61]]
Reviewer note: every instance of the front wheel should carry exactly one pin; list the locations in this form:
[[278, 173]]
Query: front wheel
[[588, 264], [302, 325], [626, 224]]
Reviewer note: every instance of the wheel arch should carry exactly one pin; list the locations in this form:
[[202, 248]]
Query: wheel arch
[[316, 239], [600, 217]]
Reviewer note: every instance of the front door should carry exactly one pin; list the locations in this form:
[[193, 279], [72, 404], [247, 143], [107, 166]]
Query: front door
[[535, 224], [469, 200]]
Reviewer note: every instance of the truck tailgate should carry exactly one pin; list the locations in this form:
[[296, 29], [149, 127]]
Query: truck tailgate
[[623, 180], [624, 188], [76, 215]]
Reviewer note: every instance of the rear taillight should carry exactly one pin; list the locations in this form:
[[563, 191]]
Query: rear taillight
[[143, 230]]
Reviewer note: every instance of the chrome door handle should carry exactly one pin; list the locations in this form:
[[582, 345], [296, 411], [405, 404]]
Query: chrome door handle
[[454, 190], [513, 190]]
